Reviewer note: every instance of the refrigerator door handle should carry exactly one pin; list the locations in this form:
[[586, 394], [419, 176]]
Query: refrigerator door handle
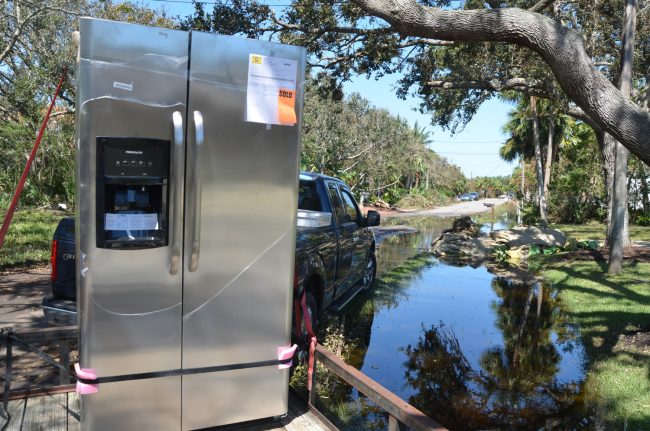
[[177, 190], [199, 140]]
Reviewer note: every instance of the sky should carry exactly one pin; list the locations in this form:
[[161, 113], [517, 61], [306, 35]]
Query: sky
[[474, 149]]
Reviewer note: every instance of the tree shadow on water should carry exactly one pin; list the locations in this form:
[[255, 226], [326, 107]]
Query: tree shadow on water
[[517, 385]]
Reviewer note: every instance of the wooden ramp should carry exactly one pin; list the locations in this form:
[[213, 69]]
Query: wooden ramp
[[60, 412], [56, 408]]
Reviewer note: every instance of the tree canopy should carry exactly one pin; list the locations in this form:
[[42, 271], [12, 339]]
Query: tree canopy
[[342, 136], [454, 59]]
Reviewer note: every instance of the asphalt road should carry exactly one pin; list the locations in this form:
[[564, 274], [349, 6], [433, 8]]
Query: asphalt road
[[457, 209]]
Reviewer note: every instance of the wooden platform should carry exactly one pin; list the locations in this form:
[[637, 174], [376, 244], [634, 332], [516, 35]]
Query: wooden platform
[[60, 412], [56, 408]]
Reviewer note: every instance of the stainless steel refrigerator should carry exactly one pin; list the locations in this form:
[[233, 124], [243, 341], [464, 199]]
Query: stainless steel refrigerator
[[187, 170]]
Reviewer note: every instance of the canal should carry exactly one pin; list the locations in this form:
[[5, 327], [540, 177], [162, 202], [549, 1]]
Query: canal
[[470, 349]]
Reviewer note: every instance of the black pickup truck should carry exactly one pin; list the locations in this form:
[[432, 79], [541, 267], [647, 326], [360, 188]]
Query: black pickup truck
[[335, 251]]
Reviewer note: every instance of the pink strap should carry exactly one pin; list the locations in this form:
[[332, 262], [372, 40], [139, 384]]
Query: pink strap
[[312, 341], [86, 373], [286, 353]]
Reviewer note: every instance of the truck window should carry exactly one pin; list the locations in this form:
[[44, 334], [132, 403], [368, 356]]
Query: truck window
[[337, 205], [308, 197], [351, 210]]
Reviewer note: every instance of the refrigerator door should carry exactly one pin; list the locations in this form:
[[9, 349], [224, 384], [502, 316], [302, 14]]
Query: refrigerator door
[[240, 219], [132, 83]]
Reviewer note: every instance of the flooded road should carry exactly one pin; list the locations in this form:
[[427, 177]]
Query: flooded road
[[468, 348]]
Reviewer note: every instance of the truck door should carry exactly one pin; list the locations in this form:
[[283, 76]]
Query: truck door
[[346, 245], [353, 229]]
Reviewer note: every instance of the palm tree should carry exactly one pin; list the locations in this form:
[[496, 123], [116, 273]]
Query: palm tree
[[520, 144]]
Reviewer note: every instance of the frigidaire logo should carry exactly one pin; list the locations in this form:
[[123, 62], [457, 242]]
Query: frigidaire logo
[[133, 152]]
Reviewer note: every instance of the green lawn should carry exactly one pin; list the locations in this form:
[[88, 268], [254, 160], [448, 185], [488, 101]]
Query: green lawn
[[595, 230], [610, 310], [29, 237]]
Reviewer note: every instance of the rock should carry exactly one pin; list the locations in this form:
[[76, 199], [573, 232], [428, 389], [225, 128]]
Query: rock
[[381, 204], [518, 254], [571, 244], [465, 225], [527, 235], [515, 274], [463, 246]]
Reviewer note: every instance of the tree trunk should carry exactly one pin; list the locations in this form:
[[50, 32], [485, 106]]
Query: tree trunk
[[645, 189], [620, 236], [561, 48], [523, 178], [549, 157], [608, 152], [541, 199]]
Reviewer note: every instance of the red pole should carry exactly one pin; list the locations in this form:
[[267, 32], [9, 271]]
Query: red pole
[[23, 177]]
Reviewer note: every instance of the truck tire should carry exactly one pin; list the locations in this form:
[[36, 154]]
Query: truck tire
[[370, 272]]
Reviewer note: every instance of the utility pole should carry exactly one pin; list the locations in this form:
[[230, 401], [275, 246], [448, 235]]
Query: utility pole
[[620, 236]]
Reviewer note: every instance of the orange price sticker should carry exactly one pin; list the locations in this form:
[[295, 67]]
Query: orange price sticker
[[287, 106]]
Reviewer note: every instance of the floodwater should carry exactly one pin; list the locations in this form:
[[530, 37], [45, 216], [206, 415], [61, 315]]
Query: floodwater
[[468, 348]]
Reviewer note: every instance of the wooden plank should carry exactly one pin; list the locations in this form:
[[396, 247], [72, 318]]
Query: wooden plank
[[16, 411], [64, 360], [46, 413], [300, 419], [34, 335], [60, 412], [391, 403], [326, 423], [42, 391], [73, 411]]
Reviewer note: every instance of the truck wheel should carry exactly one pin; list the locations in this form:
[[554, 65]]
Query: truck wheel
[[370, 272]]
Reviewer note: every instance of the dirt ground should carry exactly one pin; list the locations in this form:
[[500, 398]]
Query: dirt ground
[[21, 293], [637, 252]]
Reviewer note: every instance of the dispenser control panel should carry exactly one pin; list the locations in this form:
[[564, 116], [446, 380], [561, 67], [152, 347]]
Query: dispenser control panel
[[132, 192], [133, 157]]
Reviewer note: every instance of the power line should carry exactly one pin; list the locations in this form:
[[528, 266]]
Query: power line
[[493, 170], [466, 154], [208, 2], [434, 141]]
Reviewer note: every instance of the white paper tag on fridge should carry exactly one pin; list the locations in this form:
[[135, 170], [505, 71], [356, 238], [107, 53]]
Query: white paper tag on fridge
[[131, 221], [271, 90]]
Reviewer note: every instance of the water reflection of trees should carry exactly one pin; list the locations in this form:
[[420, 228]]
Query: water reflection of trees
[[395, 250], [348, 335], [516, 387]]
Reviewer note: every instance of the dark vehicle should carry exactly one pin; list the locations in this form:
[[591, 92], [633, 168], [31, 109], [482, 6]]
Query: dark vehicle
[[61, 307], [465, 197], [336, 261], [473, 195], [335, 252]]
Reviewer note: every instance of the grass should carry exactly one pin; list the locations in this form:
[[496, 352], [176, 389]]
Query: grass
[[594, 230], [29, 238], [609, 310]]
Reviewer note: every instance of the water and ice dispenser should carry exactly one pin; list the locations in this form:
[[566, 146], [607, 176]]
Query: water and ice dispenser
[[132, 192]]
